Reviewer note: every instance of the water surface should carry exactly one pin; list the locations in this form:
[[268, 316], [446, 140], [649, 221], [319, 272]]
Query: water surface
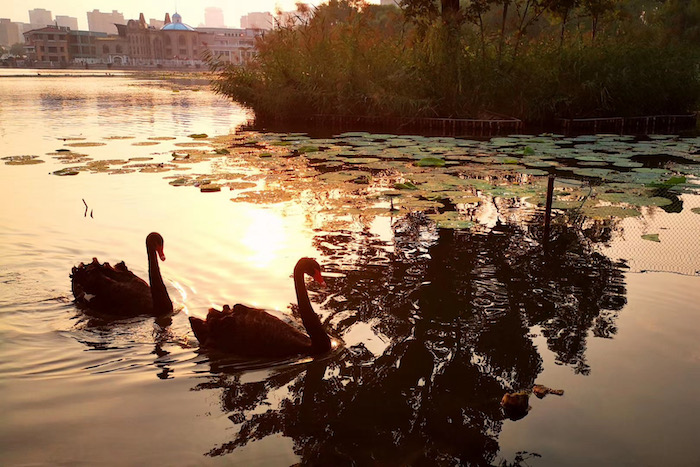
[[437, 324]]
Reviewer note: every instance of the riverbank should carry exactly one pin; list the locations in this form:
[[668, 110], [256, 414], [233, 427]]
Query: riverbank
[[380, 62]]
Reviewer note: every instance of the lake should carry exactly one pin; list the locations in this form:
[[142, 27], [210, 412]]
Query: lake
[[438, 285]]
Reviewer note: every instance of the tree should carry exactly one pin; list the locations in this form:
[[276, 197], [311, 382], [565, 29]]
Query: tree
[[17, 49]]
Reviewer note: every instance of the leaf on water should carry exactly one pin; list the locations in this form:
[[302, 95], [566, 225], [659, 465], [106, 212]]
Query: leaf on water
[[119, 137], [651, 237], [162, 138], [430, 162], [264, 197], [695, 210], [145, 143], [634, 199], [22, 160], [211, 188], [451, 220], [305, 149], [85, 145], [191, 145], [66, 171], [604, 212], [179, 182], [240, 185], [405, 186]]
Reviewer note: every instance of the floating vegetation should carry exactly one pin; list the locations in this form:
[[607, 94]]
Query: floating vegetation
[[22, 160], [145, 143], [448, 179], [84, 145], [651, 237], [191, 145], [67, 171], [695, 210], [119, 137]]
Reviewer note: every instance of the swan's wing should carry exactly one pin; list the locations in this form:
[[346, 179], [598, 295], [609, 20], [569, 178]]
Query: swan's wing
[[254, 332], [101, 286]]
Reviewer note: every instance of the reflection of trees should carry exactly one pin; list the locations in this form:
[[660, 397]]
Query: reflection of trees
[[457, 309]]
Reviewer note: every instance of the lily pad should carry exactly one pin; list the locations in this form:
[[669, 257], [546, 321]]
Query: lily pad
[[199, 135], [430, 162], [451, 220], [84, 145], [22, 160], [604, 212], [66, 172]]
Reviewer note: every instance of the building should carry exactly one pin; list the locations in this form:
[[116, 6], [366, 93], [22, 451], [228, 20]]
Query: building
[[180, 41], [10, 32], [104, 22], [156, 23], [112, 49], [39, 18], [139, 44], [235, 46], [263, 20], [82, 46], [213, 17], [48, 45], [67, 22]]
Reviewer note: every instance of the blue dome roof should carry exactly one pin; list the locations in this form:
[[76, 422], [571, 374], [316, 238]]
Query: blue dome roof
[[177, 25]]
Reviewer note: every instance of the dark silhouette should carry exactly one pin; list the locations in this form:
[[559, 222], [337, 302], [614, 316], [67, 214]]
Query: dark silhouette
[[252, 332], [456, 310], [119, 292]]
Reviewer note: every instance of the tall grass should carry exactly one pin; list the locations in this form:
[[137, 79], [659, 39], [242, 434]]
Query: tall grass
[[371, 61]]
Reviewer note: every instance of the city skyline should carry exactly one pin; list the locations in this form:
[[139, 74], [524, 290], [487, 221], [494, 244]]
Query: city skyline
[[192, 14]]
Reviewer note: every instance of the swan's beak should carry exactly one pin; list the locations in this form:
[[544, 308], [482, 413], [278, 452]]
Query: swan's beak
[[161, 254], [319, 278]]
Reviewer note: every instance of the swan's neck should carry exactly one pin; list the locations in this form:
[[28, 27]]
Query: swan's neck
[[320, 342], [161, 299]]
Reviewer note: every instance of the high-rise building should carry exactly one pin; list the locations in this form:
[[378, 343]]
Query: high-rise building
[[10, 33], [39, 17], [104, 22], [213, 17], [67, 21], [257, 21]]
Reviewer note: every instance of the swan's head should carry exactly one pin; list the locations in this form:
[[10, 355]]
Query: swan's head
[[154, 241], [312, 268]]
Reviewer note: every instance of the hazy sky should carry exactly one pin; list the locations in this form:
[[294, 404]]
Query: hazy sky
[[192, 11]]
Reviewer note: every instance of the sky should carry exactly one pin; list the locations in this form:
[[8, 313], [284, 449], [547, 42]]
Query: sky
[[192, 11]]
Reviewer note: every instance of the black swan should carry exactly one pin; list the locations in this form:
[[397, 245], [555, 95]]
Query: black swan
[[118, 291], [251, 332]]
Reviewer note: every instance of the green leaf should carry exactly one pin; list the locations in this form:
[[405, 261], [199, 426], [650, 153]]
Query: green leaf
[[430, 162], [651, 237], [405, 186]]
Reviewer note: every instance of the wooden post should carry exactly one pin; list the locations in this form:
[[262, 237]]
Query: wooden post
[[548, 210]]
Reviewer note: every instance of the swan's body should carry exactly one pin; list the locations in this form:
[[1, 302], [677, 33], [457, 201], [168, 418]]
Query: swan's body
[[118, 291], [252, 332]]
